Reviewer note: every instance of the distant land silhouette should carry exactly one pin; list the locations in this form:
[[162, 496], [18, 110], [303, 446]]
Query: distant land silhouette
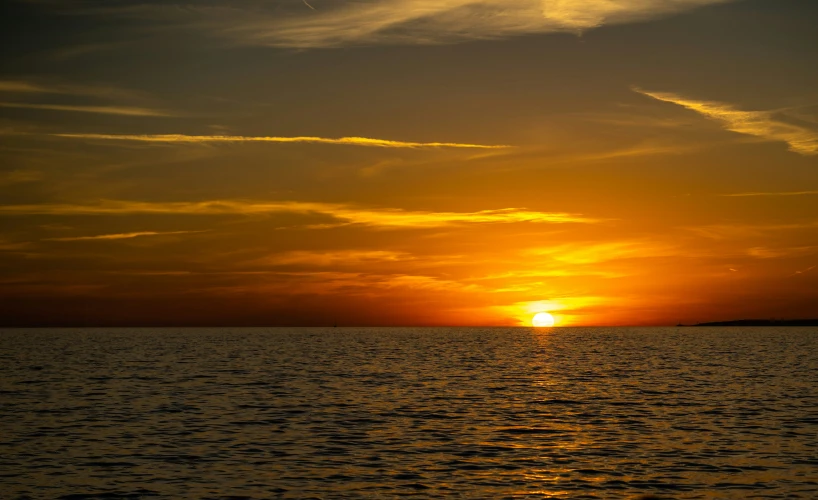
[[761, 322]]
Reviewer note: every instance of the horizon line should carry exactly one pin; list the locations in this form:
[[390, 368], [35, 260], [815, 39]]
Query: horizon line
[[662, 325]]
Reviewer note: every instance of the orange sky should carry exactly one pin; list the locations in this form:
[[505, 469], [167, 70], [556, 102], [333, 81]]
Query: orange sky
[[403, 162]]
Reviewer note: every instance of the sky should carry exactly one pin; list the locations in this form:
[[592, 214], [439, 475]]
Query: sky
[[407, 162]]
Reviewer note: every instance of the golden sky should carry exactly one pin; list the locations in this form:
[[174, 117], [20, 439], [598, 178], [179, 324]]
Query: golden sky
[[408, 162]]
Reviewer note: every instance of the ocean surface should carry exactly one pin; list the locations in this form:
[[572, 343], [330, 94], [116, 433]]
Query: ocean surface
[[428, 413]]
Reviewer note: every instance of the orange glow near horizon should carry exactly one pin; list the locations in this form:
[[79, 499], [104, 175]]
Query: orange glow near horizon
[[376, 164]]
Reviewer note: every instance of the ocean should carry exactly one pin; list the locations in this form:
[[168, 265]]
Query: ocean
[[253, 413]]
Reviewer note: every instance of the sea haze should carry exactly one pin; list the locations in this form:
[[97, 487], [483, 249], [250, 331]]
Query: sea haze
[[385, 412]]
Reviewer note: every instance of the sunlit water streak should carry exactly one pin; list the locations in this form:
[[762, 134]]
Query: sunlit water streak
[[381, 413]]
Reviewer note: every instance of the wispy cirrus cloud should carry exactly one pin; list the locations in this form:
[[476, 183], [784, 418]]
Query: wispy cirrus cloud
[[105, 110], [342, 23], [345, 141], [738, 231], [314, 282], [776, 253], [122, 236], [333, 258], [337, 24], [36, 87], [385, 218], [7, 245], [802, 271], [563, 272], [23, 86], [20, 176], [593, 253], [762, 124], [781, 193]]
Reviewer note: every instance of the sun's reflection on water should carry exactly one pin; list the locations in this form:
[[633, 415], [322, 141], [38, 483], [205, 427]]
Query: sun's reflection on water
[[480, 413]]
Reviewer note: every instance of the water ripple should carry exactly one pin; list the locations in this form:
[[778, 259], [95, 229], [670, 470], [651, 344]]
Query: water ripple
[[678, 413]]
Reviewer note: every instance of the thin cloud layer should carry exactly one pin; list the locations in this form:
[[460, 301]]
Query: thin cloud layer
[[20, 176], [121, 236], [782, 193], [378, 218], [738, 231], [346, 141], [101, 91], [594, 253], [762, 124], [802, 271], [105, 110], [334, 258], [328, 24], [23, 87], [776, 253], [34, 88]]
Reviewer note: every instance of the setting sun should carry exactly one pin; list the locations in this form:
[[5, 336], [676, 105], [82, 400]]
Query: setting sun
[[542, 319], [501, 170], [472, 248]]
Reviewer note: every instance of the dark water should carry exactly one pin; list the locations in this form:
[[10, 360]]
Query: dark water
[[385, 413]]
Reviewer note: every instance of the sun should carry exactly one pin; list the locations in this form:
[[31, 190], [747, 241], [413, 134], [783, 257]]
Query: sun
[[542, 319]]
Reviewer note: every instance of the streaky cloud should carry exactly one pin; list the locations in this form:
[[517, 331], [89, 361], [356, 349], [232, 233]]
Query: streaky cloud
[[385, 218], [775, 253], [738, 231], [761, 124], [105, 110], [7, 245], [121, 236], [782, 193], [36, 87], [333, 258], [442, 21], [594, 253], [23, 86], [317, 282], [20, 176], [347, 141], [802, 271]]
